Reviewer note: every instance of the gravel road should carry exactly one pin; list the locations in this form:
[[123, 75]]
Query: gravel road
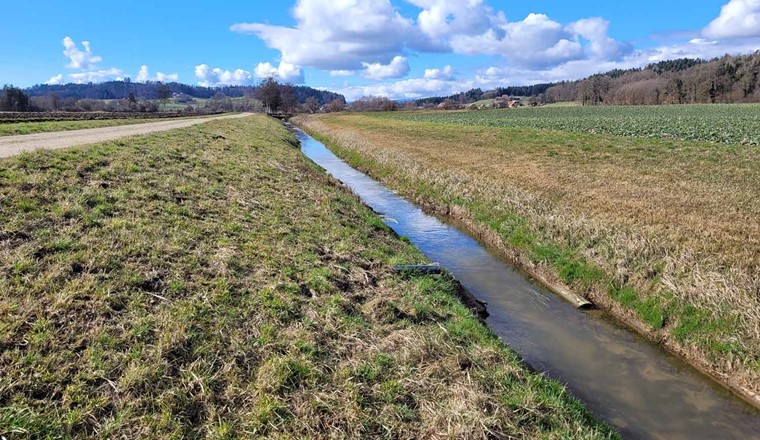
[[13, 145]]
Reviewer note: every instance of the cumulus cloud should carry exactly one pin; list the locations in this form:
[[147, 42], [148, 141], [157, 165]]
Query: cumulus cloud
[[342, 72], [87, 64], [737, 19], [217, 77], [285, 72], [346, 36], [405, 89], [446, 73], [337, 35], [57, 79], [143, 75], [167, 77], [373, 39], [440, 18], [539, 41], [80, 59], [397, 68], [97, 76]]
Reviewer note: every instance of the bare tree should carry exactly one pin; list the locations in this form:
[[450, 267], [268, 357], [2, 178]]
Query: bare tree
[[269, 93], [311, 104], [288, 100], [336, 105], [164, 93]]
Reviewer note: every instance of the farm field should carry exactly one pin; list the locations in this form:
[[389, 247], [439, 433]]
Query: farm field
[[729, 123], [663, 233], [213, 282]]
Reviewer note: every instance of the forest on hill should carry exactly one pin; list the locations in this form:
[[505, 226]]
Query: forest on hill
[[728, 79], [151, 90]]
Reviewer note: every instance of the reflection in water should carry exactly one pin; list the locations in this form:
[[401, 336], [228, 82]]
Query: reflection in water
[[626, 380]]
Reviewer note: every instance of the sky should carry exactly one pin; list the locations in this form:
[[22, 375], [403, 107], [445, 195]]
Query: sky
[[402, 49]]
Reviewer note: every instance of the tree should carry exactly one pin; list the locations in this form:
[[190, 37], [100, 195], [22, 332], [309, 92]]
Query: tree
[[132, 101], [269, 94], [55, 100], [336, 105], [288, 100], [164, 93], [373, 104], [311, 104], [14, 100]]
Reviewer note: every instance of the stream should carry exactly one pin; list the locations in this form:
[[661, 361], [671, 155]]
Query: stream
[[624, 379]]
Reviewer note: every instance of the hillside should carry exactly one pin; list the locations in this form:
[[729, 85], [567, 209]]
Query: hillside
[[150, 90], [729, 79]]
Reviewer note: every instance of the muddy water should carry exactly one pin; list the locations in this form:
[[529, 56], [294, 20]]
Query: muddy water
[[640, 389]]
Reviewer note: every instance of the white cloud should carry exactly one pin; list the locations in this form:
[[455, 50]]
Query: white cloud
[[405, 89], [217, 77], [167, 77], [111, 74], [340, 36], [440, 18], [446, 73], [144, 76], [342, 72], [285, 72], [371, 38], [86, 63], [397, 68], [57, 79], [539, 41], [737, 19], [79, 59], [701, 41], [337, 35], [600, 46]]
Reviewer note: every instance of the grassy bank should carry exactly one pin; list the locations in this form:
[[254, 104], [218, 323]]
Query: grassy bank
[[211, 282], [662, 233], [21, 128]]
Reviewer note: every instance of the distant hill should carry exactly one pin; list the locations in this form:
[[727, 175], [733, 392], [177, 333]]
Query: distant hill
[[150, 90], [728, 79]]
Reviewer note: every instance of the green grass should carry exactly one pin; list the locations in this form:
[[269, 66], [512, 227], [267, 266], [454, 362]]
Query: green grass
[[211, 282], [725, 123], [18, 128]]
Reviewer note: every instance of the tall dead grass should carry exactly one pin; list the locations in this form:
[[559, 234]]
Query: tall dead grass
[[675, 226]]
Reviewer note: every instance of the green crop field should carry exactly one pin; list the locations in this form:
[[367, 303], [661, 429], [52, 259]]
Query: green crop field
[[729, 123]]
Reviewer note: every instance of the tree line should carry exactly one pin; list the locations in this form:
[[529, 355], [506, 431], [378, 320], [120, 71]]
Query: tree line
[[727, 79], [111, 90], [478, 94], [270, 96]]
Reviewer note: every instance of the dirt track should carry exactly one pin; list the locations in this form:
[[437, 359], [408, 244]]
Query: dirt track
[[13, 145]]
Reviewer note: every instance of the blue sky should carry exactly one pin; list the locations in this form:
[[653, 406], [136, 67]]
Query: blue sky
[[398, 48]]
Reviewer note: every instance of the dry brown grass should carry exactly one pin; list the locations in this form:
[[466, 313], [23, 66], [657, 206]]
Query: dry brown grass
[[211, 282], [673, 226]]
